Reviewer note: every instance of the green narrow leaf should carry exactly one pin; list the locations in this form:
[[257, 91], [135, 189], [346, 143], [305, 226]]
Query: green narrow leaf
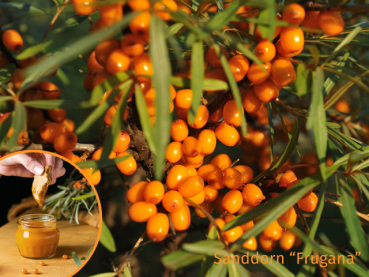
[[107, 274], [218, 269], [333, 78], [102, 162], [234, 86], [33, 10], [197, 76], [18, 123], [271, 129], [33, 50], [268, 14], [106, 239], [57, 103], [147, 128], [5, 98], [241, 270], [116, 124], [205, 247], [344, 42], [208, 84], [85, 196], [317, 120], [303, 80], [76, 259], [224, 17], [276, 268], [352, 221], [173, 29], [4, 128], [315, 53], [162, 73], [180, 258], [127, 272]]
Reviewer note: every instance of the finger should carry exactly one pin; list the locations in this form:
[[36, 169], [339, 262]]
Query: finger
[[59, 168], [50, 160], [29, 163], [17, 170], [54, 181]]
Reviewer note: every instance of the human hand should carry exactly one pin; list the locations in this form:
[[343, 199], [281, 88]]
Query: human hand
[[31, 164]]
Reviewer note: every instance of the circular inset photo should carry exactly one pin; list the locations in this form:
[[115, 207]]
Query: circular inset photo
[[49, 218]]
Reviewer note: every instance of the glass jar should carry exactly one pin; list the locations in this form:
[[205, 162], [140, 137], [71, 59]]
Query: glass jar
[[37, 236]]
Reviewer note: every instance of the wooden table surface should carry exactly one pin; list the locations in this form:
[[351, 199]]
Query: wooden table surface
[[73, 238]]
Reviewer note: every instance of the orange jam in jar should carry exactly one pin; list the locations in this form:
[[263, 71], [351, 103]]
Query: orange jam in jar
[[37, 236]]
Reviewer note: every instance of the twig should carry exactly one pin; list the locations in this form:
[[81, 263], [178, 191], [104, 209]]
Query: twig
[[49, 147], [58, 12], [302, 219], [172, 227], [211, 219], [290, 167], [339, 204]]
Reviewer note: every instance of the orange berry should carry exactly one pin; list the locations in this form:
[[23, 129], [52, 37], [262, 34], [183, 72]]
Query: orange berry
[[18, 77], [191, 186], [297, 242], [109, 114], [273, 231], [222, 161], [231, 114], [84, 7], [12, 40], [57, 115], [294, 14], [172, 201], [232, 201], [266, 244], [205, 170], [35, 118], [65, 141], [123, 142], [42, 263], [207, 141], [139, 5], [110, 14], [190, 169], [215, 179], [233, 234], [311, 20], [142, 66], [246, 172], [162, 6], [283, 72], [247, 226], [227, 135], [140, 25], [70, 156], [154, 192], [132, 45], [198, 198], [288, 177], [183, 7], [191, 147], [257, 75], [157, 227], [49, 90], [141, 211], [217, 74], [104, 49], [213, 59], [127, 166], [287, 240], [232, 178], [174, 152], [92, 62], [24, 271], [293, 183], [50, 131], [331, 22], [250, 101], [217, 115], [179, 130], [288, 219], [35, 271], [195, 161], [136, 192], [97, 155], [210, 193], [220, 222], [93, 175], [250, 244], [218, 204], [252, 194], [342, 106], [292, 39], [182, 219], [276, 32], [245, 208], [267, 91], [97, 25], [239, 65], [201, 117], [181, 113], [184, 98], [309, 203], [265, 51], [117, 61], [175, 175], [68, 125], [207, 206]]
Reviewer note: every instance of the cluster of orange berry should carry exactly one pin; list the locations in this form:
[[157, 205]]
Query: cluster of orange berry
[[35, 271]]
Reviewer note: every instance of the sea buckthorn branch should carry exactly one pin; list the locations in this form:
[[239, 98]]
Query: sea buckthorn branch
[[211, 219], [80, 147], [339, 204], [58, 12], [302, 219], [6, 51]]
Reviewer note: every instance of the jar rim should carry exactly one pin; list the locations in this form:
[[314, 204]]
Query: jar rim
[[25, 220]]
